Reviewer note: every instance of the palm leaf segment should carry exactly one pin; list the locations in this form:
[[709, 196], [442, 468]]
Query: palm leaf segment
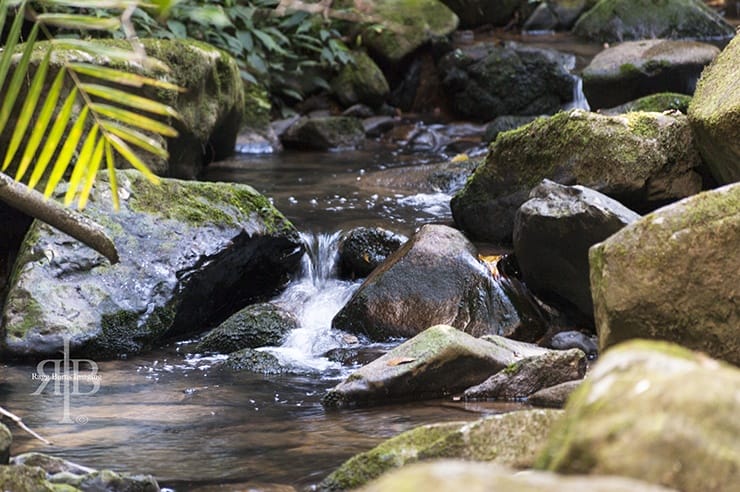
[[49, 135]]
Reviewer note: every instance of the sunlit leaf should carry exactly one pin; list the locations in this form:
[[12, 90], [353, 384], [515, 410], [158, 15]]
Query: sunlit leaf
[[29, 108], [133, 119], [111, 53], [78, 21], [65, 155], [9, 48], [137, 138], [111, 165], [92, 171], [9, 96], [131, 100], [400, 360], [122, 77], [80, 168], [94, 4], [50, 146], [132, 158]]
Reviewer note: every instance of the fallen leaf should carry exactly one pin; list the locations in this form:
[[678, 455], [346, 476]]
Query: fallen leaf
[[400, 360]]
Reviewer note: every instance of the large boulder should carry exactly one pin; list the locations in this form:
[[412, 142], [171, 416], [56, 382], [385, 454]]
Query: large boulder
[[438, 362], [324, 133], [643, 160], [634, 69], [212, 104], [673, 275], [361, 82], [407, 25], [512, 439], [714, 114], [486, 80], [656, 103], [190, 254], [447, 475], [624, 20], [434, 278], [653, 411], [474, 13], [553, 231]]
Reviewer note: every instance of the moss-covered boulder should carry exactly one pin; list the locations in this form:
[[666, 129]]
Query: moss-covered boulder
[[673, 275], [634, 69], [254, 326], [361, 82], [643, 160], [654, 103], [6, 439], [406, 25], [435, 277], [250, 360], [363, 249], [190, 254], [511, 439], [446, 475], [653, 411], [24, 479], [552, 233], [212, 103], [324, 133], [714, 114], [439, 361], [486, 80], [474, 13], [624, 20]]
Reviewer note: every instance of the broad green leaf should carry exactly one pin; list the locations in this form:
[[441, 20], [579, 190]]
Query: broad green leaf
[[137, 138], [213, 15], [19, 76], [81, 166], [39, 129], [111, 165], [177, 28], [92, 172], [29, 107], [111, 53], [52, 140], [67, 152], [9, 48], [127, 99], [132, 158], [122, 77], [78, 21], [133, 119], [267, 41]]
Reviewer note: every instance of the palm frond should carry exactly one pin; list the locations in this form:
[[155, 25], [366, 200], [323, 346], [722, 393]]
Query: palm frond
[[90, 111]]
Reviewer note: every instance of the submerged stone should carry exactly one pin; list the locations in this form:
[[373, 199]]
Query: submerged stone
[[188, 251], [250, 360]]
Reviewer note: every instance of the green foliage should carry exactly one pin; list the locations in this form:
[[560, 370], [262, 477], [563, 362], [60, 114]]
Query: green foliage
[[88, 122]]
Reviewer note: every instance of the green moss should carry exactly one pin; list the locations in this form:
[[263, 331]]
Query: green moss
[[33, 316], [663, 101], [257, 107], [629, 69], [643, 124]]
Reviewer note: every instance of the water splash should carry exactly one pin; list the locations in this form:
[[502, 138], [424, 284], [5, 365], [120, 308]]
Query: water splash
[[315, 297], [579, 98]]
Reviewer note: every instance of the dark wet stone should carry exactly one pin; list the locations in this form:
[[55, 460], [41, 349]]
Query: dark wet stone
[[565, 340], [363, 249], [250, 360]]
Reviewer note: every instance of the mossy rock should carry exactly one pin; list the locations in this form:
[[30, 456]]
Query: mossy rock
[[512, 439], [6, 439], [254, 326], [655, 103], [714, 114], [212, 104], [188, 250], [653, 411], [624, 20], [250, 360], [324, 133], [643, 160], [673, 275], [361, 82], [24, 479]]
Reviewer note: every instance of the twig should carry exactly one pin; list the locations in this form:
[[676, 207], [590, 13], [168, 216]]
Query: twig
[[23, 426]]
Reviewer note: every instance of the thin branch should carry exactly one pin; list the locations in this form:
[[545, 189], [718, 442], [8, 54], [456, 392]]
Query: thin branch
[[80, 227], [23, 426]]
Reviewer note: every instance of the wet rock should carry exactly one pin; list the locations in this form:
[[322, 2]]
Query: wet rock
[[254, 326], [359, 111], [653, 411], [435, 277], [375, 126], [657, 103], [324, 133], [512, 439], [362, 249], [486, 80], [443, 476], [6, 439], [250, 360], [474, 13], [645, 160], [438, 362], [565, 340], [553, 231], [634, 69], [251, 142], [529, 375], [503, 124], [673, 275], [554, 396], [188, 252], [360, 82], [407, 26], [624, 20], [356, 356], [714, 114], [556, 15]]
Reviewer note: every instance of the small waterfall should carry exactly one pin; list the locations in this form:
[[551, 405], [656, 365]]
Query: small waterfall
[[579, 99], [315, 297]]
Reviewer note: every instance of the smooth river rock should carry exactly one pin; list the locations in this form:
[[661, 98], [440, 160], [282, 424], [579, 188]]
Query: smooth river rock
[[674, 275], [653, 411], [190, 254], [363, 249], [642, 160]]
